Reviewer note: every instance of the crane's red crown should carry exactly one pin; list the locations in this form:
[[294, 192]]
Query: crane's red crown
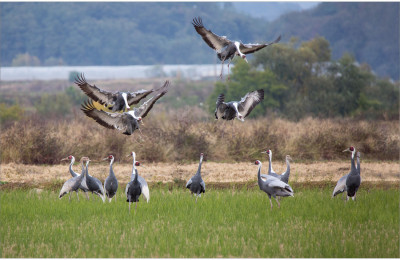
[[70, 157], [110, 156], [137, 163], [351, 148]]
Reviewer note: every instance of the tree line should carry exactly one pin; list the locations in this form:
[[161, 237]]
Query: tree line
[[301, 80], [130, 33]]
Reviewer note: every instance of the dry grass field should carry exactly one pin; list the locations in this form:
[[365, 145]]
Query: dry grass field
[[212, 172]]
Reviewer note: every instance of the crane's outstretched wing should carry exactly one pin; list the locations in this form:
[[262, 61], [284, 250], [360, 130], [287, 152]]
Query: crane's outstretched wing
[[106, 119], [214, 41], [135, 97], [250, 47], [249, 101], [340, 186], [144, 109], [98, 95]]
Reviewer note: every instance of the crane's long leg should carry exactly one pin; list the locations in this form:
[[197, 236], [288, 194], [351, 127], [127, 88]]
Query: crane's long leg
[[87, 196], [229, 75], [135, 206], [77, 195], [196, 198], [270, 201], [129, 207], [69, 196], [222, 68], [279, 205]]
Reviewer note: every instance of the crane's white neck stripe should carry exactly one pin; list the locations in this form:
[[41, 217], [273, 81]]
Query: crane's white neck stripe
[[125, 97], [237, 44]]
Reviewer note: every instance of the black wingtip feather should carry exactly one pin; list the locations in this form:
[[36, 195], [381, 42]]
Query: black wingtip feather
[[261, 93], [80, 80], [197, 22]]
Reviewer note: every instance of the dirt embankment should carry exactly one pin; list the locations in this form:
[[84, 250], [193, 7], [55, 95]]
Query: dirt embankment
[[222, 173]]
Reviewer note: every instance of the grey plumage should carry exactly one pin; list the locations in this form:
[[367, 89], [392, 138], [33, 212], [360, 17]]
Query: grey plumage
[[94, 185], [273, 186], [143, 184], [225, 48], [126, 122], [72, 184], [238, 109], [351, 181], [134, 191], [196, 184], [116, 101], [111, 182], [285, 175], [82, 186]]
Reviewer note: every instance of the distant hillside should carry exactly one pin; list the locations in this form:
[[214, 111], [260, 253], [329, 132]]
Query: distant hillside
[[368, 30], [119, 33], [271, 10], [151, 33]]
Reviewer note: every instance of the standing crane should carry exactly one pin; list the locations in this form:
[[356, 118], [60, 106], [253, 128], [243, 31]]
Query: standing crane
[[134, 190], [83, 186], [74, 183], [111, 182], [273, 186], [238, 109], [225, 48], [196, 184], [94, 185], [143, 184], [351, 181], [285, 175]]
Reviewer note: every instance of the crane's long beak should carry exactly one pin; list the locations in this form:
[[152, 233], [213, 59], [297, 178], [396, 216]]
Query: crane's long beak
[[264, 152], [104, 159], [128, 155], [347, 150], [64, 159]]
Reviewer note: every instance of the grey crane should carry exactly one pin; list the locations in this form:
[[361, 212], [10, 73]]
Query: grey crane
[[83, 186], [116, 101], [196, 184], [285, 175], [111, 182], [143, 184], [127, 122], [273, 186], [134, 190], [73, 184], [94, 185], [225, 48], [238, 109], [351, 181]]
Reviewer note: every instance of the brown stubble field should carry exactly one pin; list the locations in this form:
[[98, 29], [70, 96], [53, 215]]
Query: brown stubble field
[[212, 172]]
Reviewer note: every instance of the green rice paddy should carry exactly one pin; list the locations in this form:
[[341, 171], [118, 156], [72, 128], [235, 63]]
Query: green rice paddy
[[223, 223]]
